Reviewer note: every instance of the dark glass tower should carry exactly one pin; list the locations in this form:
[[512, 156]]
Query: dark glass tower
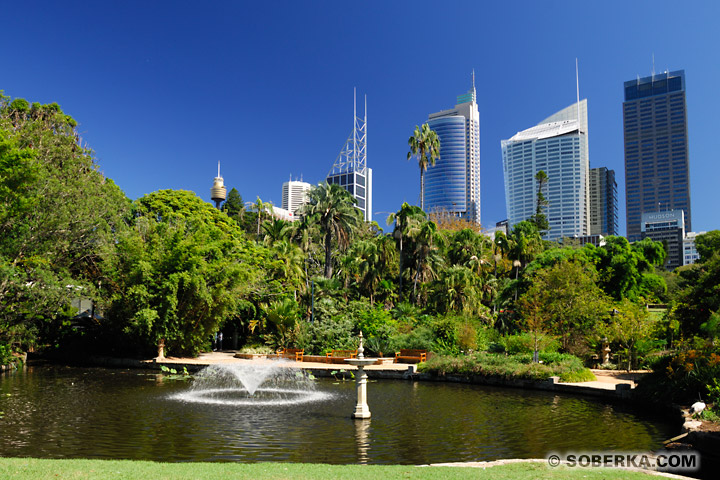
[[603, 202], [656, 148]]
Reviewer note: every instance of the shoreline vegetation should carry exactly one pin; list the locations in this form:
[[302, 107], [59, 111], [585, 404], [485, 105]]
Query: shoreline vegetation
[[32, 469]]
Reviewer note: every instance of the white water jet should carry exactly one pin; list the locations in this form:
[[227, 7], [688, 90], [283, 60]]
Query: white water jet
[[251, 384]]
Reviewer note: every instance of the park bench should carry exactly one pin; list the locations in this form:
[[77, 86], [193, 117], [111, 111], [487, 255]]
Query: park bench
[[294, 353], [342, 354], [339, 356], [410, 356]]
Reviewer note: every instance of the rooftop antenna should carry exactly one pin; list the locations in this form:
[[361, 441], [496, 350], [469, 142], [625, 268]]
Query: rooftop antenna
[[473, 78], [653, 70], [577, 86]]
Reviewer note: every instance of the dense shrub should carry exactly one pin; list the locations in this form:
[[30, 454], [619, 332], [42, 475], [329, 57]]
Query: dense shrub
[[317, 338], [510, 366], [685, 376], [524, 343]]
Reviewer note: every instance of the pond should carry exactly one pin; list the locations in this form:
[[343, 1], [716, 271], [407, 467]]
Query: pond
[[64, 412]]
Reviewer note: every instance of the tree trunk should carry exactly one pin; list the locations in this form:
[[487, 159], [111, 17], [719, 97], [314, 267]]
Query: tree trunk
[[328, 257], [422, 190]]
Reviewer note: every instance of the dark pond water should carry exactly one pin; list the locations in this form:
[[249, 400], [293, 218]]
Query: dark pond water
[[60, 412]]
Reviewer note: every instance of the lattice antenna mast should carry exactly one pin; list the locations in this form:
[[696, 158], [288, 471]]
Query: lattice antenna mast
[[353, 155]]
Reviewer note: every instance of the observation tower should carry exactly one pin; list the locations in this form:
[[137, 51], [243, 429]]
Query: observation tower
[[218, 192]]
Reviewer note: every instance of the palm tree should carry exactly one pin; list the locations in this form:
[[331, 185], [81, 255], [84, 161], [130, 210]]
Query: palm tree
[[333, 209], [425, 145], [276, 230], [259, 206], [426, 253], [407, 221]]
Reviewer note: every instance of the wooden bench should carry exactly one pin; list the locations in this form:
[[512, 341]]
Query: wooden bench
[[342, 354], [410, 356], [295, 353]]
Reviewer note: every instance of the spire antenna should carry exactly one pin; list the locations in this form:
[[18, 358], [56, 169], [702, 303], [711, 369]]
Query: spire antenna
[[577, 87]]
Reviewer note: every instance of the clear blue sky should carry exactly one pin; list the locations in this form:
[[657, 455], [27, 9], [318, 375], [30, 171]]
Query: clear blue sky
[[164, 89]]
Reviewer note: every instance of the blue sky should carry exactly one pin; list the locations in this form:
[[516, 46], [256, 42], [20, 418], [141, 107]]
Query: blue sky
[[164, 89]]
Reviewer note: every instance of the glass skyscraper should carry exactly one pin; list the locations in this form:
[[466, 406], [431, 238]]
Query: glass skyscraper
[[656, 148], [452, 185], [603, 202], [559, 146]]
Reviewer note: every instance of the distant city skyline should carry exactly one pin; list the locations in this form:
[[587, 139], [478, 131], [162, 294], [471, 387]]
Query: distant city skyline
[[162, 96]]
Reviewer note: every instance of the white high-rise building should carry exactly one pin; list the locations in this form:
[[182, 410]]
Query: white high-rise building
[[559, 146], [294, 194], [452, 185]]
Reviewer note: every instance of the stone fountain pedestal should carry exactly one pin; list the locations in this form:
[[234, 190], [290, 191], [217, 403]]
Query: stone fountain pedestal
[[361, 409]]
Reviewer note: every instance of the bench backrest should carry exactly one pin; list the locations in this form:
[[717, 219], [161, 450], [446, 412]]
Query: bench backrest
[[290, 350], [412, 352], [343, 353]]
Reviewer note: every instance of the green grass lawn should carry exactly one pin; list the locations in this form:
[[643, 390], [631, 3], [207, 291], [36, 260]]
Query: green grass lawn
[[33, 469]]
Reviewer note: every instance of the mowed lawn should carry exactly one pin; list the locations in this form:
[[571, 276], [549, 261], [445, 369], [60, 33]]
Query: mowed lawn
[[34, 469]]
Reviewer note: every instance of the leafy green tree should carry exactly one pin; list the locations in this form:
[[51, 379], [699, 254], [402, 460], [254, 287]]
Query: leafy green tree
[[425, 146], [181, 270], [699, 295], [58, 215], [629, 324], [568, 295], [234, 206], [333, 209], [621, 267], [708, 244]]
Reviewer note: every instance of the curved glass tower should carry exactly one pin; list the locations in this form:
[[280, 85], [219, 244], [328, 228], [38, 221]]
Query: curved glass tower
[[452, 185]]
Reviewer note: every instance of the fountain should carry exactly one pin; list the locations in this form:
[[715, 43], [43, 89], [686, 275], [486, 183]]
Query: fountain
[[269, 383], [361, 409]]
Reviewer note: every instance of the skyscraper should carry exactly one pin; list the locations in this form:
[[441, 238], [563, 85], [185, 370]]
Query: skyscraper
[[559, 146], [350, 169], [603, 202], [294, 194], [656, 148], [452, 185]]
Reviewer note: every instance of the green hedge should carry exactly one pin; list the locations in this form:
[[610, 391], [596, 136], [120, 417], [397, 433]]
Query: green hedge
[[567, 367]]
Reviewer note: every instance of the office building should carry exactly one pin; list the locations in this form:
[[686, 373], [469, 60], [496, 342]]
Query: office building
[[294, 194], [690, 253], [559, 146], [667, 227], [603, 202], [656, 148], [452, 185], [350, 169]]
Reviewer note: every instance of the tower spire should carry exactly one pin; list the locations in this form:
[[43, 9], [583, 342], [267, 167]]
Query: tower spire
[[473, 79], [577, 86]]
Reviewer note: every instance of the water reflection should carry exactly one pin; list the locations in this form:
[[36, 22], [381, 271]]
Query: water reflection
[[90, 413], [362, 436]]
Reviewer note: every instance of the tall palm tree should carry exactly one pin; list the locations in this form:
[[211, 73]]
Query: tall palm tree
[[425, 145], [425, 252], [407, 222], [333, 209], [259, 206]]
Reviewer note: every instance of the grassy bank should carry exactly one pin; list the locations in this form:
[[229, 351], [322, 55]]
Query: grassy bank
[[32, 469], [568, 367]]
